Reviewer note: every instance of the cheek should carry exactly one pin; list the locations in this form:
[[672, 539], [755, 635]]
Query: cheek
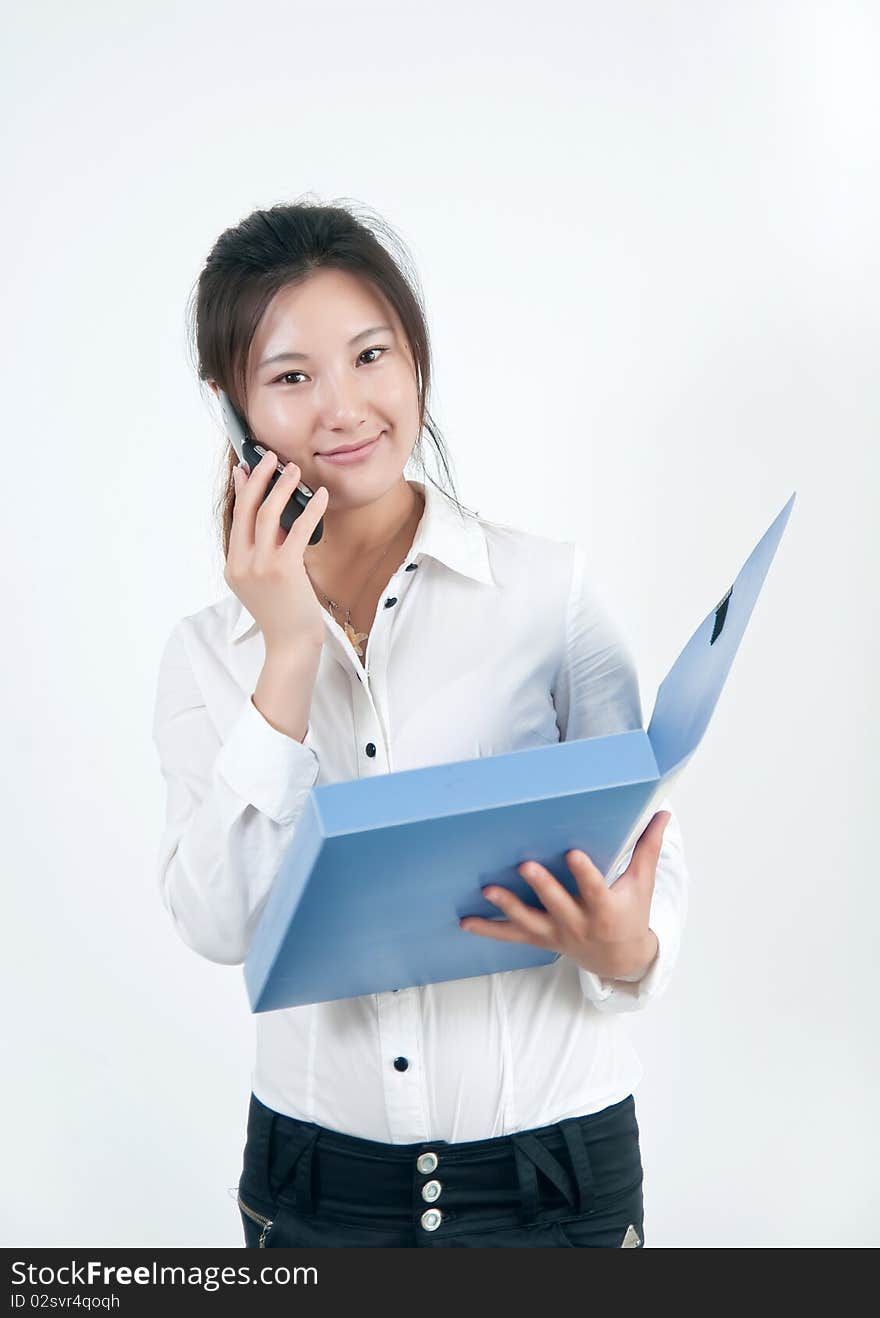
[[402, 402], [276, 423], [399, 386], [401, 377]]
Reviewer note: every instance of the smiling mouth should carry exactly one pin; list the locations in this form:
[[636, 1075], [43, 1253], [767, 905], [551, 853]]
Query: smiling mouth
[[350, 448]]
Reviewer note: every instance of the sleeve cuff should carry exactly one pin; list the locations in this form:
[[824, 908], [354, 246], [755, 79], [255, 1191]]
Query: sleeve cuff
[[650, 982], [265, 767]]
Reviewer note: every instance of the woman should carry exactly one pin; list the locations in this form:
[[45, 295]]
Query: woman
[[494, 1110]]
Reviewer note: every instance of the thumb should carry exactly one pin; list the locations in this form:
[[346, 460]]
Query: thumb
[[659, 822], [651, 841]]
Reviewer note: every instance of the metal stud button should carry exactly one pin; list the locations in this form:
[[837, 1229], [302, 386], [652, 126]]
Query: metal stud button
[[427, 1162], [431, 1191], [431, 1219]]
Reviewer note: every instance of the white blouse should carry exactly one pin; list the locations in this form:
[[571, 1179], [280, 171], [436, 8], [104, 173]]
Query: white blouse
[[487, 639]]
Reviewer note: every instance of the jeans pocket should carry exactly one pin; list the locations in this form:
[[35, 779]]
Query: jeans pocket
[[587, 1233], [617, 1224], [256, 1225]]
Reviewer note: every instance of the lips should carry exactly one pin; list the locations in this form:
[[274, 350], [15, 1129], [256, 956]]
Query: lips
[[349, 448]]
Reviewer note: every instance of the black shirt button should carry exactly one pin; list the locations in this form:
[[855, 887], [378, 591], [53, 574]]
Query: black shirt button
[[370, 749], [410, 567], [389, 602], [400, 1063]]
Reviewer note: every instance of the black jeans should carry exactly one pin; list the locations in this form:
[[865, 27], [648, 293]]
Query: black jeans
[[577, 1183]]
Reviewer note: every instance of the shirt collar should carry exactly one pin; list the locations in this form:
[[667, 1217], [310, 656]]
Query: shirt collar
[[455, 539]]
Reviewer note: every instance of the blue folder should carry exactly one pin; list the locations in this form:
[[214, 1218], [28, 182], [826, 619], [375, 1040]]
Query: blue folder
[[379, 870]]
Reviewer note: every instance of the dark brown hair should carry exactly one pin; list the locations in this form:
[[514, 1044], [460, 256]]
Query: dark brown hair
[[271, 249]]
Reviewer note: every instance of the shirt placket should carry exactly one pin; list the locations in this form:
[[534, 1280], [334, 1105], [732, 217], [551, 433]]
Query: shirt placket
[[370, 697], [402, 1064], [397, 1011]]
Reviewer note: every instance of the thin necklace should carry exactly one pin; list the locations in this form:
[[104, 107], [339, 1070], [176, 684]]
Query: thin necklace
[[355, 637]]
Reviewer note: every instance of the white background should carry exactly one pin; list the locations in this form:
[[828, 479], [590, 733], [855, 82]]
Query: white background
[[647, 239]]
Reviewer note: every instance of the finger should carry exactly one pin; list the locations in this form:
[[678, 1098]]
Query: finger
[[249, 493], [533, 924], [647, 850], [240, 473], [301, 530], [588, 877], [553, 896], [501, 930], [268, 520]]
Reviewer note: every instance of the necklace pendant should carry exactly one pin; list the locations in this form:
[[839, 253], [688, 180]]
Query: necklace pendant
[[355, 638]]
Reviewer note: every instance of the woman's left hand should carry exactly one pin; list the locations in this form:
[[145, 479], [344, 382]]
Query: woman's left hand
[[604, 929]]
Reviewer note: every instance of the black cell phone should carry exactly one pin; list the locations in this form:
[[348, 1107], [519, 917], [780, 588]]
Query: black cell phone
[[247, 451]]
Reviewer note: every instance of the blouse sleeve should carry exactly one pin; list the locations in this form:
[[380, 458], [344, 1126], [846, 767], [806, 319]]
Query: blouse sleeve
[[231, 809], [596, 694]]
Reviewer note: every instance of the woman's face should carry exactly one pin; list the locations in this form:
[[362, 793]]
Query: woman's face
[[344, 374]]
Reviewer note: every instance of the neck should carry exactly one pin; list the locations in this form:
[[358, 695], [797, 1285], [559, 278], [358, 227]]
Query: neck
[[353, 537]]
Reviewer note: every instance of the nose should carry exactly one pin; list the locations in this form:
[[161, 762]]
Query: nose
[[340, 398]]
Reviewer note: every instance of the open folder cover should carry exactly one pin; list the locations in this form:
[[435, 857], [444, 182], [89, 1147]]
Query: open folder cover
[[379, 870]]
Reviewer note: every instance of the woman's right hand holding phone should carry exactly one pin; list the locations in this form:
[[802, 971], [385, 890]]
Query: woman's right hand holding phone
[[264, 564]]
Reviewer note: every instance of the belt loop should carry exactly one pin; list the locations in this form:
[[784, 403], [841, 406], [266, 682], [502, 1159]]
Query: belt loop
[[528, 1182], [300, 1144], [580, 1161], [304, 1201]]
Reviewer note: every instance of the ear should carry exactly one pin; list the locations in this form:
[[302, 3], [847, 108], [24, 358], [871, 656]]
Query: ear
[[214, 385]]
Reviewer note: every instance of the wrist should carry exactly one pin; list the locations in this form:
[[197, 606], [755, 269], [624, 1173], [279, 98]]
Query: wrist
[[283, 694], [644, 960], [632, 965], [301, 655]]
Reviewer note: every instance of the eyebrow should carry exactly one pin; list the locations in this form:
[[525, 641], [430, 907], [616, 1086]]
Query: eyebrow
[[304, 356]]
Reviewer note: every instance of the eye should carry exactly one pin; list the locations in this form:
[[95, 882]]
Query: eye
[[282, 378], [366, 350]]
